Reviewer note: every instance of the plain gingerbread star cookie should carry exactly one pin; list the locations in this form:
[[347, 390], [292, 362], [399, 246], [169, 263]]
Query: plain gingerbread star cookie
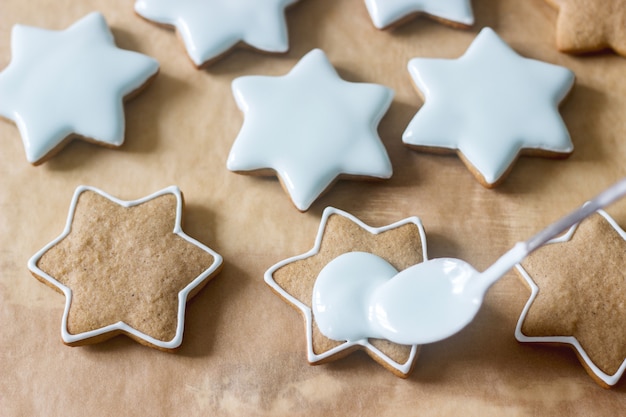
[[388, 13], [62, 84], [125, 267], [209, 28], [402, 244], [310, 127], [578, 296], [489, 106], [590, 25]]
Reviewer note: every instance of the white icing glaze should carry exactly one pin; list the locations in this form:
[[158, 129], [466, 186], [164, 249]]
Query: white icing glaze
[[386, 12], [569, 340], [67, 82], [331, 131], [342, 296], [427, 302], [211, 27], [359, 295], [313, 357], [490, 104], [121, 326]]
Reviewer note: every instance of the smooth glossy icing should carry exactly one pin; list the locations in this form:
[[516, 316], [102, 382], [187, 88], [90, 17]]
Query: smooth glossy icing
[[182, 295], [427, 302], [568, 340], [343, 296], [386, 12], [73, 81], [310, 126], [209, 28], [489, 104], [359, 295], [313, 357]]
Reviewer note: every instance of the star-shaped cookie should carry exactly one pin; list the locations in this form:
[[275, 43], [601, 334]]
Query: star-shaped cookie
[[310, 127], [490, 106], [402, 244], [125, 267], [590, 25], [578, 296], [388, 13], [68, 83], [210, 28]]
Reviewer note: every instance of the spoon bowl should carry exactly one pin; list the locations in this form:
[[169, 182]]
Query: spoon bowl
[[428, 301]]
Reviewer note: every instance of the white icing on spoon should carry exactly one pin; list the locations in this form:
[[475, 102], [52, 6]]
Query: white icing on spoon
[[359, 296]]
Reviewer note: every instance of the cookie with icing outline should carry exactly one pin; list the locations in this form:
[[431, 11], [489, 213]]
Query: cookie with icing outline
[[490, 106], [586, 26], [578, 287], [402, 244], [125, 267], [68, 84], [209, 29], [310, 128], [388, 14]]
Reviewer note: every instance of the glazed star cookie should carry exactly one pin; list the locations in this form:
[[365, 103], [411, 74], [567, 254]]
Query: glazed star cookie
[[340, 234], [70, 83], [125, 267], [489, 106], [391, 13], [310, 127], [590, 25], [210, 28], [578, 296]]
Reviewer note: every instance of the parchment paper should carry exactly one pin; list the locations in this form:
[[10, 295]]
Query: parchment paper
[[243, 350]]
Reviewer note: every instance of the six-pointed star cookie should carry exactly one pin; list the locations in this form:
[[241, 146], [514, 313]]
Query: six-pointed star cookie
[[310, 127], [209, 28], [125, 267], [590, 25], [70, 82], [385, 13], [489, 106], [402, 244], [578, 298]]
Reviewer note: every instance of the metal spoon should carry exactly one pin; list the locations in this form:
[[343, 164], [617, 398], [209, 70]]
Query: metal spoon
[[435, 299], [445, 294]]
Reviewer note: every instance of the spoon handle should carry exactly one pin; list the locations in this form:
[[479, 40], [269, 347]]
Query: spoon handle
[[606, 197], [522, 249]]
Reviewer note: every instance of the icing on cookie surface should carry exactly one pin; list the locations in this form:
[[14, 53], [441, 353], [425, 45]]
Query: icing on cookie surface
[[387, 12], [578, 287], [133, 275], [310, 127], [489, 105], [360, 295], [61, 83], [209, 28], [402, 244], [343, 296]]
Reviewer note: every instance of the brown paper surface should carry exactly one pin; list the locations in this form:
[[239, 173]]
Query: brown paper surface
[[243, 351]]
